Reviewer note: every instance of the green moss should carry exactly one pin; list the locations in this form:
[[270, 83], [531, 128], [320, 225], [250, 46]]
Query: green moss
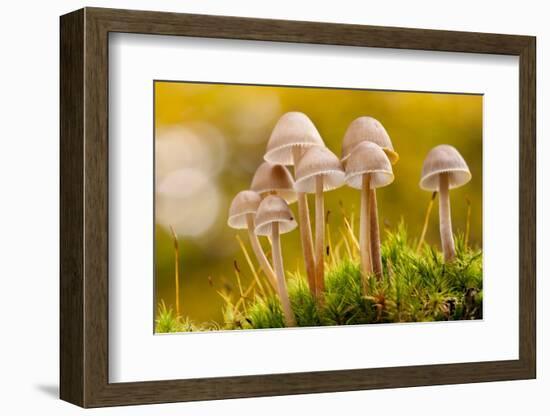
[[416, 287]]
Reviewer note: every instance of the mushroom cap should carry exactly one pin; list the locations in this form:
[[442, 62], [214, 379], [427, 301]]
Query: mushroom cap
[[444, 159], [368, 157], [294, 129], [371, 130], [318, 161], [274, 178], [245, 202], [274, 209]]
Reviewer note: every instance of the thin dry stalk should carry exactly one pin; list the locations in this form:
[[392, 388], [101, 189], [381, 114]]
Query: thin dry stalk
[[250, 265], [344, 233], [177, 267], [245, 296], [426, 220], [238, 275], [468, 218], [331, 255]]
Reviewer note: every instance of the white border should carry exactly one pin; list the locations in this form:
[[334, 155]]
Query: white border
[[135, 354]]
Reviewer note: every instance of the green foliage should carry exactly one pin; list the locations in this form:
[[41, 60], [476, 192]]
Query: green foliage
[[167, 320], [266, 313], [416, 287]]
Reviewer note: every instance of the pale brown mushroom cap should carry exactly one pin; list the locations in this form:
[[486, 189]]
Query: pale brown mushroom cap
[[270, 177], [318, 161], [294, 129], [371, 130], [245, 202], [444, 159], [368, 157], [274, 209]]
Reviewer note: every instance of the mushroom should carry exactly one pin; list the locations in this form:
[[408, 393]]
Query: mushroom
[[444, 168], [241, 215], [317, 171], [367, 168], [291, 136], [271, 178], [274, 218], [369, 129]]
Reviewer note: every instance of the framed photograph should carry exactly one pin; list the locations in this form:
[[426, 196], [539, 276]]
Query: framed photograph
[[257, 207]]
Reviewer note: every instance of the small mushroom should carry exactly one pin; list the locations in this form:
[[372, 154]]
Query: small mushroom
[[371, 130], [274, 218], [319, 170], [444, 169], [241, 215], [291, 136], [274, 179], [367, 168]]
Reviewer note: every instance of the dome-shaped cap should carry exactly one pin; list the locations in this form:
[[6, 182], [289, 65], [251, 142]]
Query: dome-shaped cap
[[444, 159], [318, 161], [368, 157], [274, 178], [274, 209], [294, 129], [245, 202], [371, 130]]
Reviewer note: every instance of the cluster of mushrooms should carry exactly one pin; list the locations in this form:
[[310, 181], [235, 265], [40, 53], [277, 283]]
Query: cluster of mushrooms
[[365, 164]]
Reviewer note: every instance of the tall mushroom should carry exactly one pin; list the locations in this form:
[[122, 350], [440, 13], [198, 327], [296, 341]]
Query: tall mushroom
[[369, 129], [274, 218], [319, 170], [291, 136], [276, 179], [367, 168], [241, 215], [444, 169]]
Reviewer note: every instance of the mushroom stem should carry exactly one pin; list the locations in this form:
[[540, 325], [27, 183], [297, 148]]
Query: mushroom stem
[[305, 229], [319, 237], [445, 224], [177, 269], [375, 235], [258, 251], [366, 266], [279, 271]]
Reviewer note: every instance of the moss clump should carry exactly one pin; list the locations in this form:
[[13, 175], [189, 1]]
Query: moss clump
[[416, 287]]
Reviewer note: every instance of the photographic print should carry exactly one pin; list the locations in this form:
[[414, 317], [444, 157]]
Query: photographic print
[[288, 206]]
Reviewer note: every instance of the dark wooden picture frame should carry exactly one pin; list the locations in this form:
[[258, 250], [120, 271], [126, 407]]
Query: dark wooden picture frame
[[84, 213]]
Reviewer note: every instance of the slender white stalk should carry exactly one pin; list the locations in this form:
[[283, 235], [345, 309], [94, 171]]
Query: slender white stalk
[[319, 237], [305, 229], [445, 224], [259, 253], [279, 272], [366, 265], [375, 235]]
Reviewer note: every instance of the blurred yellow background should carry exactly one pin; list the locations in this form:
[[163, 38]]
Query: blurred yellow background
[[210, 138]]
